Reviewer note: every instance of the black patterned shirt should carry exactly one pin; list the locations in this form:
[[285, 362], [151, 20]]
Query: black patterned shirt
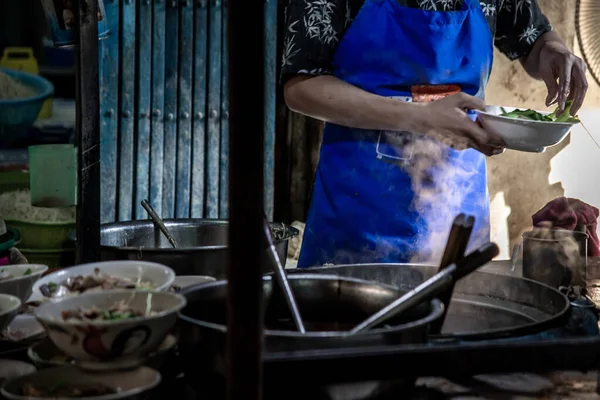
[[315, 27]]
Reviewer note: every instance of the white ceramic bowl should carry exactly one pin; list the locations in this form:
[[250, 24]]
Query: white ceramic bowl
[[23, 327], [45, 354], [11, 369], [111, 340], [9, 307], [183, 281], [20, 285], [161, 276], [127, 383], [524, 135]]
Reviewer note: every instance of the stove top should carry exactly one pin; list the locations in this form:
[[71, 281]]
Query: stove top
[[564, 386]]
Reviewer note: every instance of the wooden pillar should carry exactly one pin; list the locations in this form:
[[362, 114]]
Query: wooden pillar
[[246, 206], [88, 132]]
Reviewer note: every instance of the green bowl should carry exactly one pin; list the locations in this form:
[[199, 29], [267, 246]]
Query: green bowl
[[51, 258], [43, 235], [13, 180]]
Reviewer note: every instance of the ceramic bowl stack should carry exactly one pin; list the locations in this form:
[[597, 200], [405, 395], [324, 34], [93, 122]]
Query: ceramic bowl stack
[[17, 281], [108, 325]]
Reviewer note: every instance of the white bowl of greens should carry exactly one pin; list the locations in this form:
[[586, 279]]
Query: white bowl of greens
[[18, 280], [528, 130]]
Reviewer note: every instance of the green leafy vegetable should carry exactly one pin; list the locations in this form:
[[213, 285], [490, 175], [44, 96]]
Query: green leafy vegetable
[[28, 272], [532, 115], [52, 285], [57, 386]]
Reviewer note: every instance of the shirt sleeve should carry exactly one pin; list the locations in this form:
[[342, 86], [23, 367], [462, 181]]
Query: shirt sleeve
[[313, 30], [520, 23]]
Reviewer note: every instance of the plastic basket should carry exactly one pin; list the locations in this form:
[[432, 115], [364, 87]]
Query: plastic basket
[[16, 116]]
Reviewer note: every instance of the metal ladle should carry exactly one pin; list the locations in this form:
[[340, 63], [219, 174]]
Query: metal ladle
[[281, 278], [159, 222], [431, 287]]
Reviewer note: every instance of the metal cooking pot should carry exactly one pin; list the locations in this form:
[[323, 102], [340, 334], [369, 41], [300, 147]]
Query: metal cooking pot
[[326, 302], [484, 305], [330, 306], [202, 244]]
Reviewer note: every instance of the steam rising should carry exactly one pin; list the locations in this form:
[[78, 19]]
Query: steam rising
[[562, 245], [447, 182]]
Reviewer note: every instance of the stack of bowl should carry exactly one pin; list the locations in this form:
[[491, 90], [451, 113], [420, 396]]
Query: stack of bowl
[[16, 284], [115, 355]]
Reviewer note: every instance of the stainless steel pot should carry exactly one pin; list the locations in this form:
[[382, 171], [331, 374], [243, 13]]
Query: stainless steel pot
[[330, 306], [324, 301], [484, 305], [202, 244]]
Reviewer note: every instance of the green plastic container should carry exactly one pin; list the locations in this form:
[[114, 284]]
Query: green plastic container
[[12, 181], [43, 235], [51, 258], [53, 175]]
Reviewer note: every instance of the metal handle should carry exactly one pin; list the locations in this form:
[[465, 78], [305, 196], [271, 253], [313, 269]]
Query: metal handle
[[281, 279], [159, 222], [514, 257], [431, 287]]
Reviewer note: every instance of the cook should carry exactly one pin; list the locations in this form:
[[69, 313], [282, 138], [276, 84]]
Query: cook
[[394, 80]]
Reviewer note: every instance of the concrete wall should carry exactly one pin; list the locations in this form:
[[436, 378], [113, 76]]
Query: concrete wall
[[522, 183]]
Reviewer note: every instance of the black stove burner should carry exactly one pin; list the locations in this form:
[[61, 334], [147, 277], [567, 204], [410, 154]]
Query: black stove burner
[[359, 391]]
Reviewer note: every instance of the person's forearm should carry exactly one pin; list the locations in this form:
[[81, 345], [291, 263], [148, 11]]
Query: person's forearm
[[332, 100], [532, 62]]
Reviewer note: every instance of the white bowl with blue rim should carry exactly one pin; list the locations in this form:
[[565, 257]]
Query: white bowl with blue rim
[[522, 134]]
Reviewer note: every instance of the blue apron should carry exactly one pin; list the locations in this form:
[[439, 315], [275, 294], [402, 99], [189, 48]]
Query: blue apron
[[385, 197]]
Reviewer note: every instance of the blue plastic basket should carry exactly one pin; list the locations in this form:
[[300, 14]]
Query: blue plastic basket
[[16, 116]]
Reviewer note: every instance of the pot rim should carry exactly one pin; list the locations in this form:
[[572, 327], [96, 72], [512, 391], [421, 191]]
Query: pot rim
[[291, 233]]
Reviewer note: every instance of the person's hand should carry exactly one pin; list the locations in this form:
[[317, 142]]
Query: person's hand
[[564, 75], [448, 122]]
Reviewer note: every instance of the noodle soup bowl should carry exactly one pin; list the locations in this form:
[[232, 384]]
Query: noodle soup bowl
[[111, 338], [18, 280], [9, 307], [149, 275]]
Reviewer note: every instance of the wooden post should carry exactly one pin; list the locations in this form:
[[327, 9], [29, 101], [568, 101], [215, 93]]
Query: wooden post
[[246, 205], [88, 132]]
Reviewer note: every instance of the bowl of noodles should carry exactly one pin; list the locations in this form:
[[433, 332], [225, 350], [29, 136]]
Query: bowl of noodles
[[110, 326], [22, 96], [102, 277]]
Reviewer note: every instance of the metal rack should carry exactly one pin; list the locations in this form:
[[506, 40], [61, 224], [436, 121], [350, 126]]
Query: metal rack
[[245, 364]]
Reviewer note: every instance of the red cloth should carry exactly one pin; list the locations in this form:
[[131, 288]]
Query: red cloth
[[566, 213]]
